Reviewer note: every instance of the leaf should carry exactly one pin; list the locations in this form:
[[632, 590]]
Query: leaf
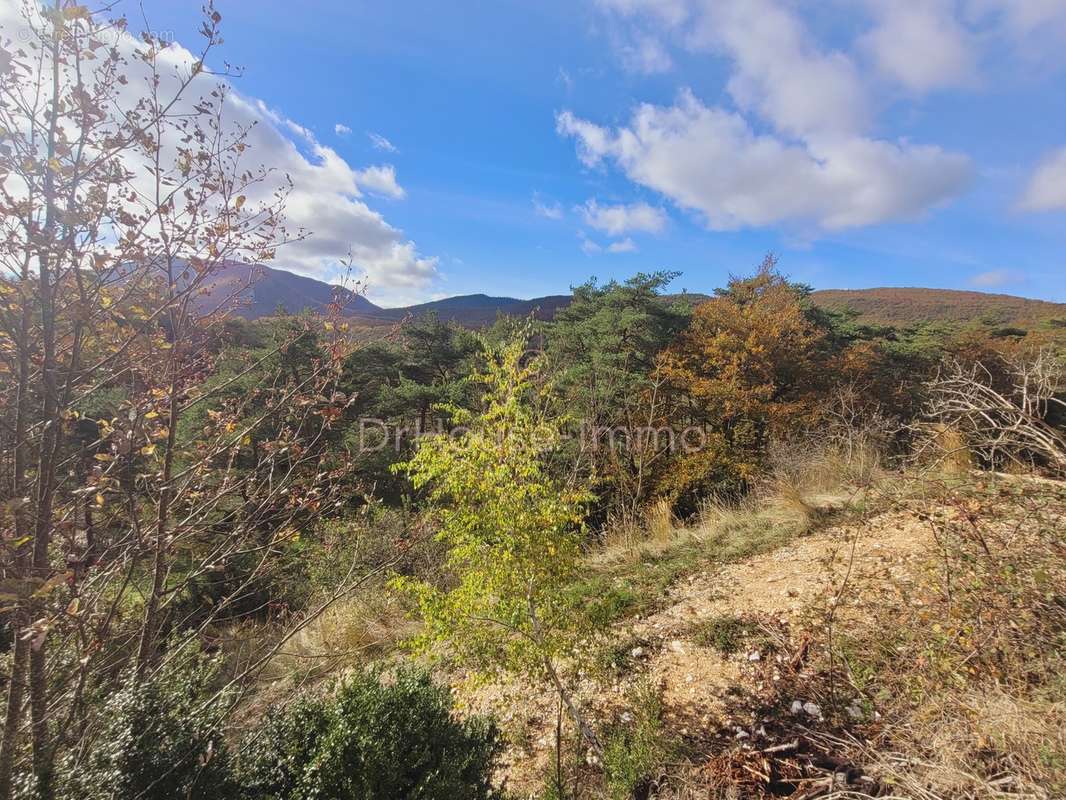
[[104, 457], [240, 202], [148, 450]]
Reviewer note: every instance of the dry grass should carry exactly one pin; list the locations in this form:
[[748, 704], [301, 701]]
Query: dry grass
[[352, 631], [968, 672]]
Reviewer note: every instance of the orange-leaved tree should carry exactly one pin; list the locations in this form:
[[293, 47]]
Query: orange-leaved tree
[[753, 363]]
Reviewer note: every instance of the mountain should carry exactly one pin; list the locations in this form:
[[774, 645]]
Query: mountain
[[259, 291], [907, 306], [481, 309]]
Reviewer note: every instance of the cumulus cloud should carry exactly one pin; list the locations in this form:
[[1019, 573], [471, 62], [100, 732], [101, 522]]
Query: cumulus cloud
[[779, 73], [1034, 27], [921, 44], [1046, 190], [592, 248], [589, 247], [380, 180], [794, 148], [379, 142], [619, 219], [645, 54], [711, 161], [341, 129], [327, 201], [326, 198]]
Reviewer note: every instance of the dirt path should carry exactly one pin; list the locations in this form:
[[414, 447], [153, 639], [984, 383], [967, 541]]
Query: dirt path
[[785, 586]]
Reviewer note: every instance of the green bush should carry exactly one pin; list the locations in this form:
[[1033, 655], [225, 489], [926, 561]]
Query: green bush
[[726, 634], [275, 757], [159, 740], [377, 739]]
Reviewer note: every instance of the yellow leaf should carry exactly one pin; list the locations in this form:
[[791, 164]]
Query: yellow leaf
[[240, 202], [103, 457], [151, 415], [148, 450], [99, 499]]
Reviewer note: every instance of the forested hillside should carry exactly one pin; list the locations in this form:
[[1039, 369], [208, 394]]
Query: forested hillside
[[648, 544], [262, 291]]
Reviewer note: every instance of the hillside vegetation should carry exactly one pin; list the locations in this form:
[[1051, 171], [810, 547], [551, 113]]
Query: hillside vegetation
[[260, 291], [658, 545], [911, 306]]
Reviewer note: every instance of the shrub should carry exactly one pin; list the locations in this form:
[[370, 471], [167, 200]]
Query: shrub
[[274, 759], [160, 739], [377, 739], [726, 634], [636, 753]]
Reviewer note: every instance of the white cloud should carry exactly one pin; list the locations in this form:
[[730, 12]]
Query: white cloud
[[341, 129], [325, 199], [1022, 20], [548, 210], [381, 180], [379, 142], [1046, 190], [779, 73], [616, 220], [669, 12], [795, 149], [592, 248], [921, 44], [711, 161]]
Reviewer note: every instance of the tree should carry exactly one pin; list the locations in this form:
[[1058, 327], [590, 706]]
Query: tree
[[512, 531], [602, 351], [124, 191], [753, 362]]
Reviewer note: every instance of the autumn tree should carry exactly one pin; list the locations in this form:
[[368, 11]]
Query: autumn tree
[[124, 191], [512, 531], [752, 363]]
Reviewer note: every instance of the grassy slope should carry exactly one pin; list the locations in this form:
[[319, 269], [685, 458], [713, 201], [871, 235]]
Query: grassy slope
[[882, 608], [908, 306]]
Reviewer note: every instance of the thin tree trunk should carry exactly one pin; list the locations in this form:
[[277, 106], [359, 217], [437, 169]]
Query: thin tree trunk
[[16, 689], [42, 756], [582, 724]]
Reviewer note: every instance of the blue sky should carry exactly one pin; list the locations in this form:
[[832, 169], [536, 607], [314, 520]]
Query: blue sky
[[535, 144]]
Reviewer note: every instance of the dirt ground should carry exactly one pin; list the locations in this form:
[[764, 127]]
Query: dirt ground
[[787, 588]]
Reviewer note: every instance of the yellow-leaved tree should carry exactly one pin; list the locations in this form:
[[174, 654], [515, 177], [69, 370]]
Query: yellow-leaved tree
[[512, 531]]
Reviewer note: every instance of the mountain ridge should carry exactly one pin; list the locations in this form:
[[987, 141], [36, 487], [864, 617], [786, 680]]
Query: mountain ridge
[[260, 291]]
